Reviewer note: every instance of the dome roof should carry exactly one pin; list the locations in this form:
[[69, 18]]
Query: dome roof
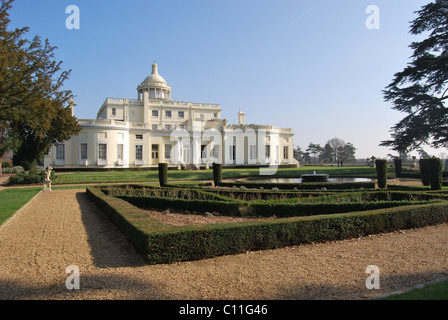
[[154, 79]]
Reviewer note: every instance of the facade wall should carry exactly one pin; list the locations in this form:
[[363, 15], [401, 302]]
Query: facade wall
[[140, 132]]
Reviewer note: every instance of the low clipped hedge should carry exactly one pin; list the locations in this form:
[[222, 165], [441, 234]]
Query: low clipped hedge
[[237, 203], [260, 208], [302, 186], [159, 243]]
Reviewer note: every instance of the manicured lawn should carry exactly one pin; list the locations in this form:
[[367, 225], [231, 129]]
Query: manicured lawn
[[12, 200], [437, 291], [174, 175]]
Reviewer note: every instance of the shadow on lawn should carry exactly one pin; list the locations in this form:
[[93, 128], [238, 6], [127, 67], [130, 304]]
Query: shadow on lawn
[[109, 246]]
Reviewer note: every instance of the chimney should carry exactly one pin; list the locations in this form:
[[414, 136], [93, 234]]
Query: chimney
[[241, 116]]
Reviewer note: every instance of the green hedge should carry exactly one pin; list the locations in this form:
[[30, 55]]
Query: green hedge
[[398, 164], [232, 205], [261, 208], [435, 173], [217, 174], [227, 208], [381, 172], [302, 186], [425, 171], [163, 174], [164, 244]]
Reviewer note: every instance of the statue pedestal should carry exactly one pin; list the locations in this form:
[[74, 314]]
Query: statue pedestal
[[47, 186]]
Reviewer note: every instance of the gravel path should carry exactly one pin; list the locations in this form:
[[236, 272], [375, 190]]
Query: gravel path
[[62, 228]]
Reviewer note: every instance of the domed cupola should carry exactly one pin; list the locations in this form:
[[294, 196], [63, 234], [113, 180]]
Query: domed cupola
[[155, 85]]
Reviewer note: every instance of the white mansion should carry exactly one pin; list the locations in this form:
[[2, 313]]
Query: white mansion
[[152, 128]]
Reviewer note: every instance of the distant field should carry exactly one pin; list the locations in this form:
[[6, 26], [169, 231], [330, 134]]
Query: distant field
[[179, 175], [12, 200]]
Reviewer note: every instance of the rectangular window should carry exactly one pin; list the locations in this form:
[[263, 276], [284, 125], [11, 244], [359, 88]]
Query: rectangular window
[[268, 151], [154, 127], [168, 127], [114, 111], [180, 114], [139, 137], [139, 152], [119, 152], [155, 151], [215, 115], [168, 114], [60, 152], [232, 152], [285, 152], [102, 151], [155, 113], [253, 152], [83, 151], [168, 148]]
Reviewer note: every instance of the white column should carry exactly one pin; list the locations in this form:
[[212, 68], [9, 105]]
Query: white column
[[196, 150], [275, 147], [146, 106]]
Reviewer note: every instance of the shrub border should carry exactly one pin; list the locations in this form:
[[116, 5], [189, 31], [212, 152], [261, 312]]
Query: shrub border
[[302, 186], [159, 243]]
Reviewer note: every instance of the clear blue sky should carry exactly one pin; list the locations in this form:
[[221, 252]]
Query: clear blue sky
[[310, 65]]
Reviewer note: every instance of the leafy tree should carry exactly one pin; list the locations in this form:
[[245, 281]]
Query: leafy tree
[[306, 157], [421, 89], [336, 144], [298, 154], [327, 154], [314, 150], [34, 111], [347, 152], [336, 149]]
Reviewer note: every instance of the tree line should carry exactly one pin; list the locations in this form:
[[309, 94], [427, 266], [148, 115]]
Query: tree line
[[333, 151]]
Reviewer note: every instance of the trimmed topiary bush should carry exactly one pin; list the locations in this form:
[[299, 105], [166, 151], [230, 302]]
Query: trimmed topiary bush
[[435, 173], [217, 174], [398, 164], [424, 171], [381, 172], [163, 174]]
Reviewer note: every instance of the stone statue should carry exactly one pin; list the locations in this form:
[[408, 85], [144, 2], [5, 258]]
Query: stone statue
[[48, 173]]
